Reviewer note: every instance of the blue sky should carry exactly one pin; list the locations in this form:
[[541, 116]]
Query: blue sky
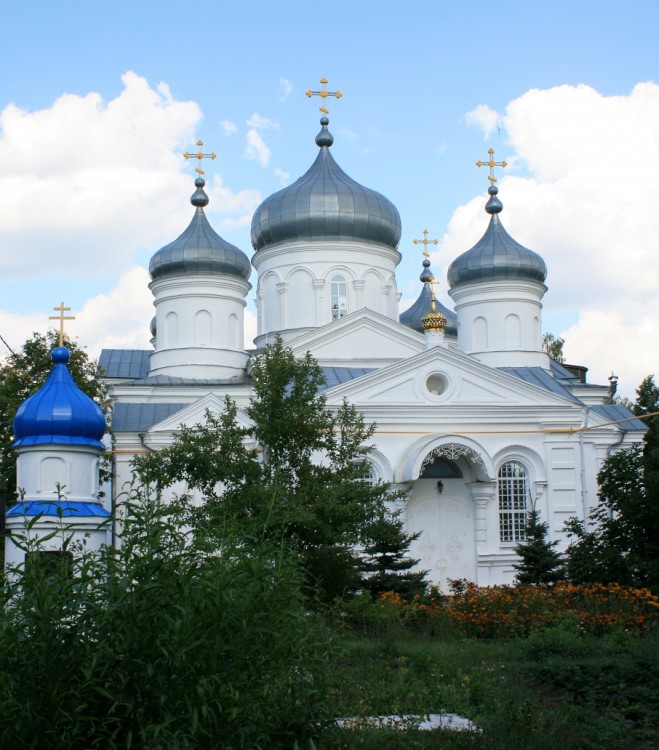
[[93, 182]]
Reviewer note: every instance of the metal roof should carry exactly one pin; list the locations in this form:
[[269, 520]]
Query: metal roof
[[326, 204], [129, 417], [496, 255], [199, 250], [541, 378], [124, 363], [615, 412], [413, 315], [63, 508], [338, 375], [59, 413]]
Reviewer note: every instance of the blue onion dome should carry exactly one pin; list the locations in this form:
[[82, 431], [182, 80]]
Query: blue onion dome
[[326, 204], [59, 412], [496, 255], [413, 316], [153, 326], [199, 250]]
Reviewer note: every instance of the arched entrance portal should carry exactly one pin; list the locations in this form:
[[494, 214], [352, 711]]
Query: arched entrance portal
[[441, 510]]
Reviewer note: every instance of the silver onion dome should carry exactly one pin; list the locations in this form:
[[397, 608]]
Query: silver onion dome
[[496, 255], [326, 204], [199, 250]]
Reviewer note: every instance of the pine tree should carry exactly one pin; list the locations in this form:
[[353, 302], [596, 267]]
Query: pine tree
[[386, 565], [539, 563]]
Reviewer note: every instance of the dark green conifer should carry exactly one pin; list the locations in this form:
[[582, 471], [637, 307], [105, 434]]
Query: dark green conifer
[[539, 562]]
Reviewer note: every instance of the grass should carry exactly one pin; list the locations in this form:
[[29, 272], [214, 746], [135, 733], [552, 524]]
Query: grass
[[556, 689]]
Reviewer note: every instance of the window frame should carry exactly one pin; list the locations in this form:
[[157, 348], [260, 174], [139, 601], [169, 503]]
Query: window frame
[[512, 501]]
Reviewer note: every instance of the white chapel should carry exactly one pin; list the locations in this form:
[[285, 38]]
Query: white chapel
[[473, 417]]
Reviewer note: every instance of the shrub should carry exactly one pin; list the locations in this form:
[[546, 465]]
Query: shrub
[[161, 644]]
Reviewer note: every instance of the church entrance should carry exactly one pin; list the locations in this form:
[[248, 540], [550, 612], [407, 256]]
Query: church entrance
[[440, 508]]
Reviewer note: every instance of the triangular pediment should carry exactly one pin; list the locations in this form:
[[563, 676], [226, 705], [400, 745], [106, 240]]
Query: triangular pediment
[[446, 377], [363, 338], [161, 433]]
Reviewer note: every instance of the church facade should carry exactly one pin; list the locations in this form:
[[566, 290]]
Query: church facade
[[473, 418]]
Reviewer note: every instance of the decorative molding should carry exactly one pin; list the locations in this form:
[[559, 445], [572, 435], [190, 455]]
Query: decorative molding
[[453, 451]]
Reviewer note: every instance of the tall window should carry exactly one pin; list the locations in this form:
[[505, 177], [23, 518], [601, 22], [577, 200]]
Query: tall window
[[339, 297], [513, 502]]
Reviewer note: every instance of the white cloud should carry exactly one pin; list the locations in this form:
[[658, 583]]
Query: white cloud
[[258, 122], [284, 177], [256, 148], [78, 180], [589, 208], [119, 319], [229, 127], [485, 118], [286, 88]]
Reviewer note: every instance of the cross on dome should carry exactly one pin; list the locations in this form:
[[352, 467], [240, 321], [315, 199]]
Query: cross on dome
[[425, 242], [61, 317], [491, 164], [199, 156], [323, 94]]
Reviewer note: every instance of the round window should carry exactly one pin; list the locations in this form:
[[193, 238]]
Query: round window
[[436, 384]]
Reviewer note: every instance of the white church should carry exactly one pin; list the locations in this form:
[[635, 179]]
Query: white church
[[473, 417]]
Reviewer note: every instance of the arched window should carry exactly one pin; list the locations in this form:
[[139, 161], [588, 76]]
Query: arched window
[[368, 474], [339, 297], [513, 502]]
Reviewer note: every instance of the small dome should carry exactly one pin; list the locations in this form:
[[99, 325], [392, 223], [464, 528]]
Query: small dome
[[326, 204], [413, 316], [199, 250], [496, 255], [59, 412]]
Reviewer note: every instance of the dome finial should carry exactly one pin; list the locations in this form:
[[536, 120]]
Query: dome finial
[[433, 320], [426, 274], [323, 94], [61, 317], [324, 138], [494, 205], [199, 197], [491, 164]]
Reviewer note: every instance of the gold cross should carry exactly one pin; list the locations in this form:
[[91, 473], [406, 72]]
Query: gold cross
[[61, 317], [425, 242], [491, 164], [199, 155], [323, 94]]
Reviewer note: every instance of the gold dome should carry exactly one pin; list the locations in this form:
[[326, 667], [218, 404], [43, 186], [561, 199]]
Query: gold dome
[[433, 320]]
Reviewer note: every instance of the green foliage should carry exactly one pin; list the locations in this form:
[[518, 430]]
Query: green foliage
[[553, 346], [163, 643], [539, 562], [622, 544], [24, 372], [294, 475], [386, 564]]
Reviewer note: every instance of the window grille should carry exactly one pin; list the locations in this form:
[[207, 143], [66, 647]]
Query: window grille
[[513, 502]]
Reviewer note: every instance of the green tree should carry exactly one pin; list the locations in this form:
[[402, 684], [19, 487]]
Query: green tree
[[386, 564], [553, 346], [621, 541], [292, 476], [539, 562], [21, 374]]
